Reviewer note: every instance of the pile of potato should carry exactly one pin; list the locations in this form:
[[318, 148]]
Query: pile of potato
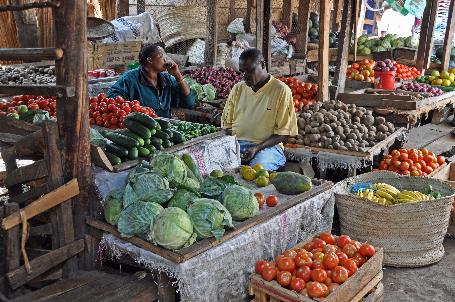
[[27, 75], [335, 125]]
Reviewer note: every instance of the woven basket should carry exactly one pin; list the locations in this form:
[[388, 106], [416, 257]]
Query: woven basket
[[411, 234]]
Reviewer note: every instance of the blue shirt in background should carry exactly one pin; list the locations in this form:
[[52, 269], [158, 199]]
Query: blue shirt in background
[[133, 85]]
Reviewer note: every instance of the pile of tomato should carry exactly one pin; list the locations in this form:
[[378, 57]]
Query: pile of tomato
[[361, 71], [32, 102], [405, 72], [302, 93], [411, 162], [110, 112], [317, 268]]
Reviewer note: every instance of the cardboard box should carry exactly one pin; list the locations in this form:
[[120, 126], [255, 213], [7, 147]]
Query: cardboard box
[[109, 55]]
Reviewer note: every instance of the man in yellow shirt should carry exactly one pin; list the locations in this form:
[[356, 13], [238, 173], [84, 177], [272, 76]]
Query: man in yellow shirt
[[260, 113]]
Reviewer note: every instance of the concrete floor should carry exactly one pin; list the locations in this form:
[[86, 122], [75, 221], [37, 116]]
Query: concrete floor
[[435, 283]]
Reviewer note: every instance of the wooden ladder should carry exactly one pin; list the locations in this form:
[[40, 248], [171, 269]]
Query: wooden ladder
[[60, 152]]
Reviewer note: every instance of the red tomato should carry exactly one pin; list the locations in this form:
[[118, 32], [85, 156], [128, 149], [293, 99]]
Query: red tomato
[[260, 198], [53, 105], [340, 274], [351, 266], [111, 107], [383, 165], [404, 166], [308, 246], [343, 240], [284, 278], [33, 106], [285, 264], [359, 260], [101, 96], [272, 201], [297, 284], [318, 243], [318, 255], [114, 121], [302, 260], [350, 250], [317, 264], [303, 273], [330, 260], [414, 157], [315, 289], [268, 273], [319, 275], [428, 170], [403, 156], [329, 248], [260, 266], [441, 160], [328, 238], [92, 121], [395, 153]]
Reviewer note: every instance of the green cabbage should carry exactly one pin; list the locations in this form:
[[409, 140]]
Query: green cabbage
[[209, 218], [209, 92], [173, 229], [182, 198], [412, 42], [136, 219], [113, 206], [240, 202], [171, 167], [147, 186]]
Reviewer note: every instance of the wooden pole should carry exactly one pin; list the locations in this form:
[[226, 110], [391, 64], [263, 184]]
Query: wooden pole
[[247, 22], [267, 40], [26, 25], [123, 8], [212, 33], [450, 31], [72, 112], [430, 35], [356, 20], [259, 24], [231, 11], [343, 48], [336, 8], [426, 35], [31, 54], [323, 71], [140, 6], [302, 28], [287, 13], [12, 244]]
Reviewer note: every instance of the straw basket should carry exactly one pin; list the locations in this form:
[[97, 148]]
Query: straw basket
[[182, 23], [411, 234]]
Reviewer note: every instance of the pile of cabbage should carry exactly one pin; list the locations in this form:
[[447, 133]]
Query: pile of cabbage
[[204, 92], [165, 203], [366, 46]]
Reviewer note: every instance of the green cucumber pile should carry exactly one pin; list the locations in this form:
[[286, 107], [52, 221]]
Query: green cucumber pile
[[145, 135]]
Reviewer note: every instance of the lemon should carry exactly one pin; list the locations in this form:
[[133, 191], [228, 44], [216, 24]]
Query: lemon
[[452, 70], [452, 77], [262, 172], [262, 181], [435, 73], [431, 79], [273, 175], [437, 82], [217, 173], [249, 174], [243, 169], [444, 75], [446, 83], [258, 167]]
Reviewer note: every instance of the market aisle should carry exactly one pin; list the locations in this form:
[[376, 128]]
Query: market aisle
[[433, 283]]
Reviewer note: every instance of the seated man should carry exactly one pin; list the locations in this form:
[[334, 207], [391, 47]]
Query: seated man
[[260, 113]]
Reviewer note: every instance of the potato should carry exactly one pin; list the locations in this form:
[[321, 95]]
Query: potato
[[299, 142], [379, 120], [330, 134], [356, 119], [315, 137], [391, 127], [306, 140], [325, 128], [368, 120], [315, 130], [336, 145], [382, 128], [299, 136], [342, 136], [308, 128], [314, 124], [301, 123], [291, 140]]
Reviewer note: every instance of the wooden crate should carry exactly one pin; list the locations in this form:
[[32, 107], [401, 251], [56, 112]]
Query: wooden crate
[[206, 244], [364, 285], [100, 159]]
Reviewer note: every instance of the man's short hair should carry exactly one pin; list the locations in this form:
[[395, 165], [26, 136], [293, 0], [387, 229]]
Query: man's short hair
[[252, 54]]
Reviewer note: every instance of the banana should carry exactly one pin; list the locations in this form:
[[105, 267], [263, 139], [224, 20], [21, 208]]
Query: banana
[[406, 195], [414, 194], [389, 188], [384, 194]]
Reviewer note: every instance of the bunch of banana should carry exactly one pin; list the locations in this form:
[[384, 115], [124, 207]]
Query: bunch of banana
[[386, 191], [412, 196], [370, 194]]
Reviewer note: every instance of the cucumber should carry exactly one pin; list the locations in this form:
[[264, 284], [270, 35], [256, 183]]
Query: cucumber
[[156, 142], [147, 142], [116, 150], [169, 133], [113, 159], [120, 139], [164, 124], [161, 134], [166, 143], [188, 160], [143, 152], [132, 135], [177, 137], [133, 153], [143, 118], [153, 131], [151, 149], [137, 128]]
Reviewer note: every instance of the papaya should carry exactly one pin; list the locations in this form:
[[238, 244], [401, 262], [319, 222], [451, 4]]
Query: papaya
[[291, 183]]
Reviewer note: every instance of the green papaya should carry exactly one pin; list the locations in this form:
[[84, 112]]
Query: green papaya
[[291, 183]]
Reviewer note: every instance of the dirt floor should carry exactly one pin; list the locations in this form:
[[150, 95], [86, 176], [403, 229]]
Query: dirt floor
[[435, 283]]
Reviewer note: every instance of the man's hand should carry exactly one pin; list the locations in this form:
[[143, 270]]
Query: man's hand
[[174, 70], [249, 154]]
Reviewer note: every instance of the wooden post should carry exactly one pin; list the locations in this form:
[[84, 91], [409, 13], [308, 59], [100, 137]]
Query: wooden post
[[123, 8], [426, 35], [302, 28], [356, 20], [336, 8], [166, 292], [267, 39], [450, 31], [212, 33], [323, 71], [259, 24], [247, 21], [287, 13], [140, 6], [231, 11], [72, 112], [12, 244], [343, 48], [26, 25]]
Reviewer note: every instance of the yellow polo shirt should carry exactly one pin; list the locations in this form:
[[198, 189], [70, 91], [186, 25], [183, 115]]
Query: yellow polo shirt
[[255, 116]]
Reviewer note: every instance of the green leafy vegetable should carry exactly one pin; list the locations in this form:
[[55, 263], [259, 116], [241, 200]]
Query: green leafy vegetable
[[182, 198], [240, 202], [113, 206], [136, 219]]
